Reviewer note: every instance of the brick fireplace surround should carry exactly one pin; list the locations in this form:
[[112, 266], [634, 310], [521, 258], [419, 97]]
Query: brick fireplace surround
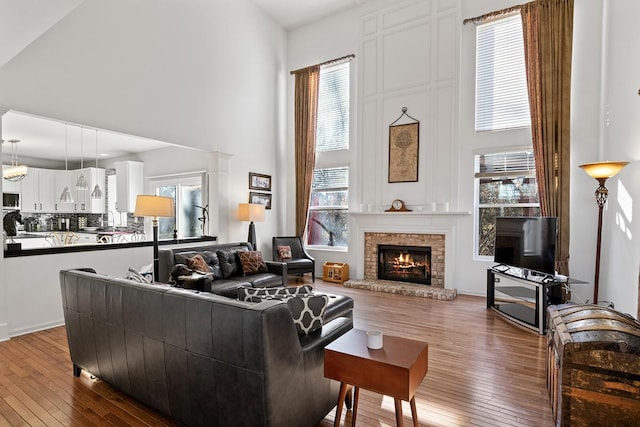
[[435, 241]]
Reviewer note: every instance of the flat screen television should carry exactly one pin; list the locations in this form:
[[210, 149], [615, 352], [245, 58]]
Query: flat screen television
[[526, 242]]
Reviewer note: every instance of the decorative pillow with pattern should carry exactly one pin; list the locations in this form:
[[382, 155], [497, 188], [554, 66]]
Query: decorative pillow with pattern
[[252, 262], [307, 312], [198, 263], [284, 252], [256, 294]]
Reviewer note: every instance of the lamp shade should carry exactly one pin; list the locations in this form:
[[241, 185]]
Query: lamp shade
[[155, 206], [251, 212], [603, 169]]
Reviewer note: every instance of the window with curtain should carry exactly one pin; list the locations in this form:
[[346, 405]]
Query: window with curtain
[[187, 191], [501, 85], [505, 185], [328, 223]]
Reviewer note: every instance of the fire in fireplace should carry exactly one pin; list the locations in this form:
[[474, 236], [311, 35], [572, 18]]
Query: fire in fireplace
[[405, 263]]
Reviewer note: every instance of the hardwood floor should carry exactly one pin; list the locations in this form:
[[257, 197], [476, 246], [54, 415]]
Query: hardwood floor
[[483, 371]]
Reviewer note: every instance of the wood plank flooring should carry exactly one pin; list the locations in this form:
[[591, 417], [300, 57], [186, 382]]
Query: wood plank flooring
[[483, 371]]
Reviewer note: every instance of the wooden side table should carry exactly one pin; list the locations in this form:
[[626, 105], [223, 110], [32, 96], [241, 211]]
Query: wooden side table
[[396, 370]]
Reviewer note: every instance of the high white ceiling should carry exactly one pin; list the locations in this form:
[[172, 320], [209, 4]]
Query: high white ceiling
[[23, 21], [294, 13], [45, 139]]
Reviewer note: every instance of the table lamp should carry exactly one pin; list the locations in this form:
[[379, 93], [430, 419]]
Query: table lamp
[[601, 171], [251, 212], [154, 207]]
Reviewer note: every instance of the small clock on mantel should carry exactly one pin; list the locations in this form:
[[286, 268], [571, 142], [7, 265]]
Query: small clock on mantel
[[398, 206]]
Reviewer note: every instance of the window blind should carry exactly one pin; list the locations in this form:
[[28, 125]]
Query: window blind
[[501, 87], [520, 163], [330, 179], [332, 129]]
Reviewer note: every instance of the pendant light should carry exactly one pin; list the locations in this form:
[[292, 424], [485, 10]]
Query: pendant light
[[81, 184], [97, 192], [15, 172], [66, 196]]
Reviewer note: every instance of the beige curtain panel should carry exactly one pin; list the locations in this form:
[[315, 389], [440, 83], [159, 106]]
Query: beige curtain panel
[[305, 118], [548, 37]]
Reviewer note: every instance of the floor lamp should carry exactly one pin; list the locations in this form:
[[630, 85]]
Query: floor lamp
[[154, 207], [601, 171], [251, 212]]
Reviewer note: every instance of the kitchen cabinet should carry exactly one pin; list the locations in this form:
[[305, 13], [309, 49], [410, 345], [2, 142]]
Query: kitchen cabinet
[[37, 191], [129, 184], [63, 178], [83, 203]]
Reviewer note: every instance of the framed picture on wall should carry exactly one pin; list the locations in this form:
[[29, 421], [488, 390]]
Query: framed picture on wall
[[403, 152], [260, 199], [258, 181]]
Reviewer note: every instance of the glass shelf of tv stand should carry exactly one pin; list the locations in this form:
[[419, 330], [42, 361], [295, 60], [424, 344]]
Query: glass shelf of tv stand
[[519, 296]]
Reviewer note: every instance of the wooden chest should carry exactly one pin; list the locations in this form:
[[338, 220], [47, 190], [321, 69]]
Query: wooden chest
[[593, 366]]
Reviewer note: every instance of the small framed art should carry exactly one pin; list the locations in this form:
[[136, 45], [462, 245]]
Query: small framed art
[[258, 181], [260, 199]]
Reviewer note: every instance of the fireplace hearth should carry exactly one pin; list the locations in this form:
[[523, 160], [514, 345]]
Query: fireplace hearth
[[405, 263]]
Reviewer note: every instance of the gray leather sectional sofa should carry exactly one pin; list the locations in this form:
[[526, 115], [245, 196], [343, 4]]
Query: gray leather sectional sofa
[[200, 358], [226, 267]]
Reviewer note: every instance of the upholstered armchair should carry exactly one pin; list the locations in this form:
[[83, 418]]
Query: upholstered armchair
[[291, 251]]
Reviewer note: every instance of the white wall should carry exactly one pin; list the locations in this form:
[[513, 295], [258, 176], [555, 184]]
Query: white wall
[[198, 73], [621, 141], [592, 138]]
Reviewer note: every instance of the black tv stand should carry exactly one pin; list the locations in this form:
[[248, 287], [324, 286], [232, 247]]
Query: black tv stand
[[522, 297]]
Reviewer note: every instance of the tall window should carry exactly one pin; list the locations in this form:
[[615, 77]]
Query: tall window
[[187, 191], [505, 186], [328, 222], [501, 83]]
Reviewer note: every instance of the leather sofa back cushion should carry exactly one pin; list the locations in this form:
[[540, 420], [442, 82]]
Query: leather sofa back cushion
[[230, 262], [211, 258]]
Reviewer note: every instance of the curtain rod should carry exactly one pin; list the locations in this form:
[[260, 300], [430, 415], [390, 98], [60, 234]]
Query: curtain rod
[[332, 61], [489, 15]]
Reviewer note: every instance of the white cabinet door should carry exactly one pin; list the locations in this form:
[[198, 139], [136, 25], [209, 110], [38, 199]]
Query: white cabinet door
[[96, 176], [129, 182], [63, 179], [28, 193], [46, 190]]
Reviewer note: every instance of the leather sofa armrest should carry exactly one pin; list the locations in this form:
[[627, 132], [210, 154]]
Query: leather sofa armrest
[[329, 332], [277, 268]]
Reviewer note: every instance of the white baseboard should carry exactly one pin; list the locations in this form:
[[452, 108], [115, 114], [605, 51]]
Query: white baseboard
[[4, 332], [35, 328]]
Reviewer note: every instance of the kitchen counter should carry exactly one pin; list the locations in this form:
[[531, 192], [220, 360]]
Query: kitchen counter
[[84, 246]]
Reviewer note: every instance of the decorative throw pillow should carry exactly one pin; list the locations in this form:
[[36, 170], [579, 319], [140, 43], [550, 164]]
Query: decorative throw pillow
[[284, 252], [250, 294], [198, 263], [307, 312], [252, 262]]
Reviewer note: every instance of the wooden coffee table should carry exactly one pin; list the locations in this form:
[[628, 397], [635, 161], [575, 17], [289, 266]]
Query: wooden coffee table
[[396, 370]]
